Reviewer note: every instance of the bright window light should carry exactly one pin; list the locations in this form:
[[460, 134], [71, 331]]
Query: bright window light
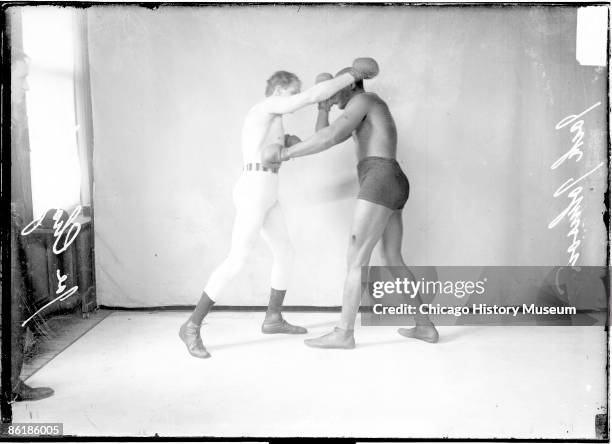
[[48, 40]]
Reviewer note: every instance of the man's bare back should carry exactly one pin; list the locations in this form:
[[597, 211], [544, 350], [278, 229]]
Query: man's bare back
[[376, 135]]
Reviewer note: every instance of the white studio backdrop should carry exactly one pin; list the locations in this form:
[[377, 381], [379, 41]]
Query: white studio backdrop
[[476, 94]]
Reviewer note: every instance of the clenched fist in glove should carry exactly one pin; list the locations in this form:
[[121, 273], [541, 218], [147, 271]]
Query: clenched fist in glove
[[364, 68], [272, 155], [291, 140]]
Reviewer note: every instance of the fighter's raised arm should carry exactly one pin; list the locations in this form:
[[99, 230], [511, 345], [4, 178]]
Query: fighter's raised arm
[[324, 106], [363, 68], [340, 130]]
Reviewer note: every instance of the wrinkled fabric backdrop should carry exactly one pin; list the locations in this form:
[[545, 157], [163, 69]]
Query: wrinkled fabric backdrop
[[476, 94]]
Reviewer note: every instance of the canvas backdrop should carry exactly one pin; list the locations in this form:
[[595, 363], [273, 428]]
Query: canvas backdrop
[[475, 92]]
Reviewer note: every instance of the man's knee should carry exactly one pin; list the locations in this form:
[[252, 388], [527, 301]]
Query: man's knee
[[359, 251]]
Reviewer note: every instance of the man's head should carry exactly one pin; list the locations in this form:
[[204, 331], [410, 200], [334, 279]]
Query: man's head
[[283, 83], [19, 77], [342, 97]]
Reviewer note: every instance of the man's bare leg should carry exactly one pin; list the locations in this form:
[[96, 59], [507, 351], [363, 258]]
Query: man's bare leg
[[369, 223], [391, 244]]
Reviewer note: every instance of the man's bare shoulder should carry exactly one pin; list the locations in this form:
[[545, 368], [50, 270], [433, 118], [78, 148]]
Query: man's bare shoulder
[[259, 111], [375, 99], [258, 107], [366, 100]]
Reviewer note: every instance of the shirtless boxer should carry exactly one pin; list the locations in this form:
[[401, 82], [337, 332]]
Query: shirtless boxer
[[378, 212], [255, 198]]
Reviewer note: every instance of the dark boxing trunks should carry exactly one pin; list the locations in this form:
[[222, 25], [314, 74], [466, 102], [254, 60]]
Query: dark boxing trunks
[[382, 181]]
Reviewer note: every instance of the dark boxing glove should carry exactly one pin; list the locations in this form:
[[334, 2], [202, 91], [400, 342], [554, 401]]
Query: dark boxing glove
[[291, 140], [271, 155], [364, 68]]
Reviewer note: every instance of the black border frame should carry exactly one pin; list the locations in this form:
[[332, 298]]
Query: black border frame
[[5, 209]]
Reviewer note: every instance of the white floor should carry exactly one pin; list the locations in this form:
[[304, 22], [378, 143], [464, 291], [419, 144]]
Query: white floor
[[131, 376]]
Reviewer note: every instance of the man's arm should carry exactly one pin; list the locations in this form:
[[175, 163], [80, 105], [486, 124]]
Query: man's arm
[[324, 106], [318, 93], [363, 68], [334, 134], [322, 116]]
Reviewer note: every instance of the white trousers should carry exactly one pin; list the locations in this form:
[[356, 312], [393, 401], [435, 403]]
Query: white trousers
[[257, 212]]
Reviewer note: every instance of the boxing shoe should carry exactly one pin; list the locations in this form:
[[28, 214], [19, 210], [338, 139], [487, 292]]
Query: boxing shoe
[[24, 392], [283, 327], [338, 338], [427, 333], [190, 335]]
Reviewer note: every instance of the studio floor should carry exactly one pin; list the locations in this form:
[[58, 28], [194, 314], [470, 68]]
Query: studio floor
[[131, 376]]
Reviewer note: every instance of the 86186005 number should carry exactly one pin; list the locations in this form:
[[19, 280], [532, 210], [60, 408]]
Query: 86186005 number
[[32, 429]]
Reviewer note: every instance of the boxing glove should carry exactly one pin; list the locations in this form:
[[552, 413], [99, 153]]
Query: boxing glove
[[364, 68], [291, 140], [323, 77], [271, 155]]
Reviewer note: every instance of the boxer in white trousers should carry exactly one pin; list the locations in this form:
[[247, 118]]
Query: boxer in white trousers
[[256, 199]]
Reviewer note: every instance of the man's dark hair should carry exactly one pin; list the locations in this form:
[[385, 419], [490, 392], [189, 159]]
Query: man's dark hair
[[358, 83], [282, 79]]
